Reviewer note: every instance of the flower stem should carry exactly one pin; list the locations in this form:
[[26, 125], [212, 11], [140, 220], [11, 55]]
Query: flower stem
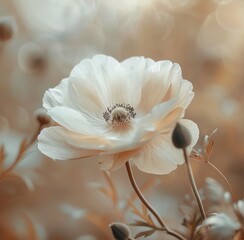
[[234, 198], [193, 185], [147, 204]]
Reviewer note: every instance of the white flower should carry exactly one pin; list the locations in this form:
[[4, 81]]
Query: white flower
[[222, 227], [119, 112], [239, 208]]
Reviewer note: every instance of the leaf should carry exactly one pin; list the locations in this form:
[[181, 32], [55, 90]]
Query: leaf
[[144, 211], [31, 231], [139, 224], [150, 220], [100, 188], [137, 212], [145, 233], [195, 155], [208, 144], [113, 193], [146, 215]]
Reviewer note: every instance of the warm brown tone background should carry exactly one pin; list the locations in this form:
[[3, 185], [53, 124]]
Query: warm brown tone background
[[206, 37]]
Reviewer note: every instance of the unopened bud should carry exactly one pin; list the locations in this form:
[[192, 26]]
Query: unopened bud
[[7, 28], [32, 58], [120, 231], [181, 136], [42, 117]]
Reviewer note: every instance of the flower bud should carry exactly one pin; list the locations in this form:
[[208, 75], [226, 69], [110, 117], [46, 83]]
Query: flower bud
[[181, 136], [120, 231], [32, 58], [6, 29], [42, 117]]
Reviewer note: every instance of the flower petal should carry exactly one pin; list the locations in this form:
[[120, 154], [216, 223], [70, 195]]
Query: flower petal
[[159, 156], [106, 75], [56, 96], [73, 120], [156, 82], [53, 142], [136, 69], [162, 116], [85, 98], [115, 161]]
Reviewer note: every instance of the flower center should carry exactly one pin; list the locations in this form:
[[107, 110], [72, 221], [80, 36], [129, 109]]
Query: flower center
[[119, 114]]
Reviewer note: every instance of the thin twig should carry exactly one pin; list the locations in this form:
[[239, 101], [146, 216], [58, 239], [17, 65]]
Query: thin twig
[[115, 197], [226, 181], [23, 148], [147, 204], [193, 185]]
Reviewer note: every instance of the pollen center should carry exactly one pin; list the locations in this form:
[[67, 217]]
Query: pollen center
[[119, 114]]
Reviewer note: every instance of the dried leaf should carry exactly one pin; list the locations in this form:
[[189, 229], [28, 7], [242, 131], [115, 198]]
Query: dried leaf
[[137, 212], [150, 221], [195, 155], [99, 187], [147, 216], [105, 191], [145, 233], [31, 231], [144, 211], [113, 193], [208, 144], [138, 223]]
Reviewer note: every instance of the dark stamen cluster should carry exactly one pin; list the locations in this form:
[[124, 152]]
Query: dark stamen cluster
[[119, 117]]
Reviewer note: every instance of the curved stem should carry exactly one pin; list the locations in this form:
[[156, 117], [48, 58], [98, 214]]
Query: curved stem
[[148, 206], [226, 181], [193, 185]]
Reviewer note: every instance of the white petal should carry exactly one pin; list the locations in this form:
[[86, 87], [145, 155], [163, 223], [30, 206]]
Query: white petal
[[56, 96], [136, 68], [85, 98], [159, 156], [115, 161], [175, 78], [133, 63], [88, 72], [73, 120], [180, 88], [185, 94], [53, 143], [107, 76], [156, 82], [162, 116]]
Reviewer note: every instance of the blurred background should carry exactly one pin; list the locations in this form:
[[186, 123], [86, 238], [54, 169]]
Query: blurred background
[[41, 41]]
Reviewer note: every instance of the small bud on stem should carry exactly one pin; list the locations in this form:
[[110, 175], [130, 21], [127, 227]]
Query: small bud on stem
[[181, 136], [120, 231]]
